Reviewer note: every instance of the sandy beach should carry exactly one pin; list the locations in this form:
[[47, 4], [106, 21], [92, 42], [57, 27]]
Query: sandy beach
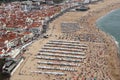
[[101, 62]]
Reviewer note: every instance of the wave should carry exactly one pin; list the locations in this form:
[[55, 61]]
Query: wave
[[116, 42]]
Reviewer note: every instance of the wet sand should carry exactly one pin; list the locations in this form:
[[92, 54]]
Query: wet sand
[[101, 47]]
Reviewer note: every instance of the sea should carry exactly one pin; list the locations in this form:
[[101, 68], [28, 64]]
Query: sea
[[110, 23]]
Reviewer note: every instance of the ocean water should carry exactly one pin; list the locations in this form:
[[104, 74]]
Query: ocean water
[[110, 23]]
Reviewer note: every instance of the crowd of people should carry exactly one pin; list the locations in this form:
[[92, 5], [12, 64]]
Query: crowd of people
[[96, 65], [87, 37]]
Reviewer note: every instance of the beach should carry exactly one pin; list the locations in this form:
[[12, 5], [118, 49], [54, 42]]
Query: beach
[[101, 62]]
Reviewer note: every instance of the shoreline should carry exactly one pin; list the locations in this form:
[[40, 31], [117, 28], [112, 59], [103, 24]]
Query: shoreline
[[107, 33], [109, 38], [113, 38], [117, 43]]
